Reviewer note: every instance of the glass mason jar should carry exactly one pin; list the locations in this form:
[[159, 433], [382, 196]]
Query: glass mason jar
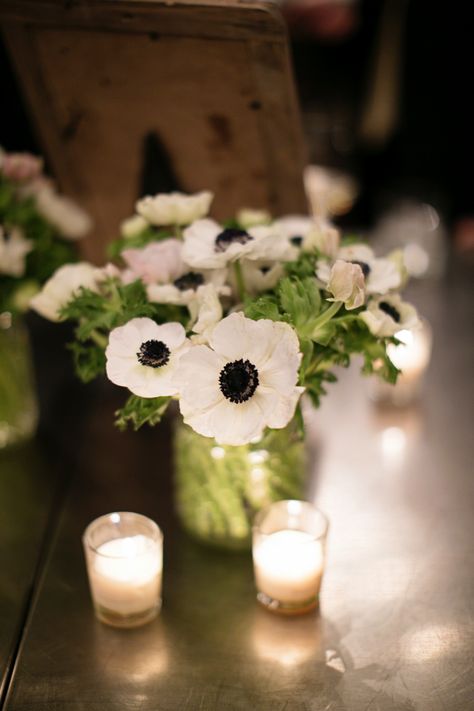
[[219, 489], [18, 406]]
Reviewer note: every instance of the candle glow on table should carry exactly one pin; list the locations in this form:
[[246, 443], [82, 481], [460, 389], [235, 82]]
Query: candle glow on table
[[289, 560], [125, 560]]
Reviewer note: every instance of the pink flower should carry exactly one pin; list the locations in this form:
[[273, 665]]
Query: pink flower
[[21, 167], [158, 262]]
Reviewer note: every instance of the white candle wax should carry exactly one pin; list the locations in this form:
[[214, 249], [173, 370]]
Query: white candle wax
[[125, 575], [288, 565]]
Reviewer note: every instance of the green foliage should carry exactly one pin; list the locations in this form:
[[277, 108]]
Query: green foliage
[[328, 334], [89, 360], [303, 267], [49, 252], [139, 411]]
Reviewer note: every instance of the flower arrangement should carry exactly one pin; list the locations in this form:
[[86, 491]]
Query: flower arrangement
[[234, 321], [37, 226]]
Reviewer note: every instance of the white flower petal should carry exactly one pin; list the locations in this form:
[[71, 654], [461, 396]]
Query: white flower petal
[[122, 353], [347, 284], [272, 348], [380, 322], [247, 217], [13, 250], [383, 276], [284, 410], [324, 237], [62, 286], [199, 245], [133, 226], [174, 208], [69, 219], [157, 262], [356, 253]]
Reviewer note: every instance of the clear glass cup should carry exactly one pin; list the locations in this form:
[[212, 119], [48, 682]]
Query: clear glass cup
[[18, 405], [289, 547], [124, 558]]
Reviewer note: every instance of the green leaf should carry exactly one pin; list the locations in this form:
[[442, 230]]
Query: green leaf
[[304, 267], [324, 334], [139, 411], [89, 360], [264, 307], [300, 299]]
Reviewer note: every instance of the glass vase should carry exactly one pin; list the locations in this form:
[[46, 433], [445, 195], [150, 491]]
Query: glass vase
[[18, 406], [219, 489]]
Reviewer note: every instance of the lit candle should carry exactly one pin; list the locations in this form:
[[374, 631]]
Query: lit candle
[[288, 554], [289, 566], [124, 561], [411, 357]]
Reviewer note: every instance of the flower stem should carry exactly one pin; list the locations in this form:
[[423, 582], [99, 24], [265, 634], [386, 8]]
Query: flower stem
[[239, 278], [178, 232], [99, 339], [326, 316]]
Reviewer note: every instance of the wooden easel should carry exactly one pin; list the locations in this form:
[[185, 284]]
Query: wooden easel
[[145, 96]]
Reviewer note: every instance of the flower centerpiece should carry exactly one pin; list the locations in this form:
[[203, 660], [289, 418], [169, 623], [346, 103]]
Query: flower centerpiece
[[37, 228], [234, 322]]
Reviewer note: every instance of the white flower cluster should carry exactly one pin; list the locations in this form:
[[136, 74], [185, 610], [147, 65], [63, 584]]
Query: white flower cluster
[[22, 183], [233, 376]]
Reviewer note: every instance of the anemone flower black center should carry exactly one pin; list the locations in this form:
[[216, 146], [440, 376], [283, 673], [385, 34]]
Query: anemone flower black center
[[364, 266], [153, 353], [296, 240], [390, 311], [238, 380], [230, 235], [191, 280]]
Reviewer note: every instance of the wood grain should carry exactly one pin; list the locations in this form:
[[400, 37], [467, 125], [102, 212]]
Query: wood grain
[[212, 81]]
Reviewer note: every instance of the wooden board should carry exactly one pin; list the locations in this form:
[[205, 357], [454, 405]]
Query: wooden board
[[208, 84]]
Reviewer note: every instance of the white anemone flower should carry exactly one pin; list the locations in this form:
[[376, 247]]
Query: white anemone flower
[[386, 315], [245, 381], [259, 275], [133, 226], [347, 284], [13, 250], [308, 234], [71, 221], [381, 275], [182, 291], [248, 217], [208, 245], [62, 286], [158, 262], [143, 356], [174, 208], [294, 228], [324, 237]]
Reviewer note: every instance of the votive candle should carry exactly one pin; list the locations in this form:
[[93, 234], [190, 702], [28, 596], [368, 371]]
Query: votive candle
[[288, 553], [124, 555]]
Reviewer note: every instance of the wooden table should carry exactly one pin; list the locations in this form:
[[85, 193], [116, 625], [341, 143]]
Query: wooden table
[[396, 623]]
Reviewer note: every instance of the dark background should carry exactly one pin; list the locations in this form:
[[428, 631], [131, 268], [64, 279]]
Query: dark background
[[427, 157]]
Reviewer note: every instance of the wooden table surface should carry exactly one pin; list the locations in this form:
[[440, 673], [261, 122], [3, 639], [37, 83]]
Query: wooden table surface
[[395, 628]]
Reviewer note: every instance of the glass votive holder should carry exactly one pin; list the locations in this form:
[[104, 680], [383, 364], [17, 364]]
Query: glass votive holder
[[411, 357], [124, 557], [289, 542]]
